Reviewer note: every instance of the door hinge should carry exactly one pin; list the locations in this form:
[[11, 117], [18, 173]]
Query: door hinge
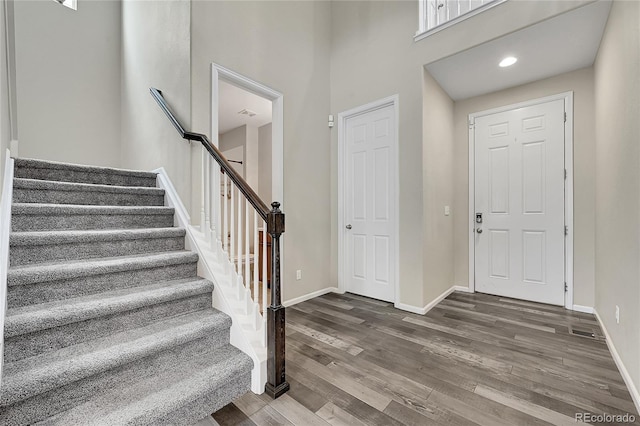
[[565, 117], [566, 288], [566, 230], [565, 174]]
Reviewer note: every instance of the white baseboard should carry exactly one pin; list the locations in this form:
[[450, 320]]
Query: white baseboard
[[584, 309], [462, 288], [311, 295], [633, 390], [428, 306]]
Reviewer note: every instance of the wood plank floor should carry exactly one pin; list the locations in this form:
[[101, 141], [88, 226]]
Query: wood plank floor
[[472, 360]]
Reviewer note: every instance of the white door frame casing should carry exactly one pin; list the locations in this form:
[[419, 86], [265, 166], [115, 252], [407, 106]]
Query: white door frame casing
[[568, 186], [218, 73], [342, 147]]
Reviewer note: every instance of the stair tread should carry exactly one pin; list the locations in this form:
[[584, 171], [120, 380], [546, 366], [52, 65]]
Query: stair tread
[[65, 269], [31, 376], [93, 236], [48, 185], [71, 209], [28, 319], [147, 399], [42, 164]]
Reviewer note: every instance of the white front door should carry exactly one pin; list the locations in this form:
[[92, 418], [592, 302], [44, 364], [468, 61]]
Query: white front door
[[369, 176], [519, 191]]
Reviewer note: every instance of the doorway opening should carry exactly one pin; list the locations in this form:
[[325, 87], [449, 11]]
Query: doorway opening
[[247, 127]]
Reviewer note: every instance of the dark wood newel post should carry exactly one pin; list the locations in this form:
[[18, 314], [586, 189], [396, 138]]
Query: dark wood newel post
[[276, 380]]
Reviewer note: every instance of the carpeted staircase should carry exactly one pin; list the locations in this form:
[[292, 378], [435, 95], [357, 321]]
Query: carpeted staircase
[[107, 322]]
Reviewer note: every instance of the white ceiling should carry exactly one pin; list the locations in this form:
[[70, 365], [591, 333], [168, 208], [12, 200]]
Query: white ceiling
[[564, 43], [232, 100]]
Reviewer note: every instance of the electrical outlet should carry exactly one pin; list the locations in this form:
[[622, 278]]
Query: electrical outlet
[[617, 314], [299, 274]]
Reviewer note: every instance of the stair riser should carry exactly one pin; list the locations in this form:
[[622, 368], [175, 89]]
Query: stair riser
[[203, 407], [60, 399], [23, 195], [35, 222], [52, 339], [25, 255], [31, 294], [78, 176]]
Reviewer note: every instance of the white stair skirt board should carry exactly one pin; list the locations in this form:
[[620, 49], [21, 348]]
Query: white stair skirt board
[[633, 390], [5, 230], [227, 297]]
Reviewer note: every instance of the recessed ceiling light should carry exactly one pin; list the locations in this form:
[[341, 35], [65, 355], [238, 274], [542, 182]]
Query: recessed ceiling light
[[508, 61]]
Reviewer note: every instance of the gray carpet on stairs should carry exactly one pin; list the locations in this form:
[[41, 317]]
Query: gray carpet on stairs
[[107, 322]]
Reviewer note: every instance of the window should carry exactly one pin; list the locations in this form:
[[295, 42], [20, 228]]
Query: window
[[436, 15]]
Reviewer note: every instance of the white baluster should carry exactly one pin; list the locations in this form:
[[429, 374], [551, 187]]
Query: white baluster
[[264, 269], [232, 229], [213, 213], [207, 204], [247, 246], [225, 227], [239, 259], [256, 285], [204, 155], [218, 205]]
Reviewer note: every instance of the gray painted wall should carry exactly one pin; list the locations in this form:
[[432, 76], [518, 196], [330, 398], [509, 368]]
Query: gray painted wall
[[617, 100], [68, 81], [373, 56], [437, 173], [156, 53], [283, 45], [5, 120], [264, 163]]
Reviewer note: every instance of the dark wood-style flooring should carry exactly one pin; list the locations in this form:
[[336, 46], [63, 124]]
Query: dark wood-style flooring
[[472, 360]]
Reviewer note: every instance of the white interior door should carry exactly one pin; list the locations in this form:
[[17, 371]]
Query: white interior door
[[369, 176], [519, 191]]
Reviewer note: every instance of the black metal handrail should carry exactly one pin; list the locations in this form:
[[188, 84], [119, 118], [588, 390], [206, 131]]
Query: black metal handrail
[[274, 219]]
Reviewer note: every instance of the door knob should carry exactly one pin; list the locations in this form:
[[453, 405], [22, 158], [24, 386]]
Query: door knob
[[349, 226], [479, 230]]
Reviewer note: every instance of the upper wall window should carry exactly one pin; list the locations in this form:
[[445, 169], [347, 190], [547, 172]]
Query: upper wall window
[[71, 4], [436, 15]]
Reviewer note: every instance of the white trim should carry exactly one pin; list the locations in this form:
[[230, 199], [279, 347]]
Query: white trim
[[309, 296], [583, 309], [428, 306], [394, 101], [462, 289], [212, 268], [568, 198], [633, 390], [5, 231], [568, 165], [423, 32], [218, 72], [171, 197]]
